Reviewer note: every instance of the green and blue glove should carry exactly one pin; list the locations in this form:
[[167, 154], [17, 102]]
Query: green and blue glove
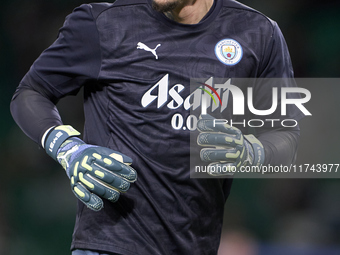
[[95, 172], [229, 149]]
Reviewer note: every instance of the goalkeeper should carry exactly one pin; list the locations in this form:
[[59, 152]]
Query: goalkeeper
[[134, 60]]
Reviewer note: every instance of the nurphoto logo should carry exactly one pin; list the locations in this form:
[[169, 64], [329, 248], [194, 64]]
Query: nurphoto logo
[[281, 97]]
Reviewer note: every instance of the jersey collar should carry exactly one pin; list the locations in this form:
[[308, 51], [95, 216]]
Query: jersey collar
[[207, 19]]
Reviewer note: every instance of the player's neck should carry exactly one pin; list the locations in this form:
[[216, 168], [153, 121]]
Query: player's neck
[[191, 12]]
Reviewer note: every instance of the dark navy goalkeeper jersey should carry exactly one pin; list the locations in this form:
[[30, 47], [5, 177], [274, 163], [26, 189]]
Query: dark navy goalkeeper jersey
[[135, 66]]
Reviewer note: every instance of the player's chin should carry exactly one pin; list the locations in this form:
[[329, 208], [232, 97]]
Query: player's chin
[[165, 5]]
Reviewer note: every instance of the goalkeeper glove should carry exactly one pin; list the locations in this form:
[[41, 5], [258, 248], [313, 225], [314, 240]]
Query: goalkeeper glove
[[232, 149], [94, 171]]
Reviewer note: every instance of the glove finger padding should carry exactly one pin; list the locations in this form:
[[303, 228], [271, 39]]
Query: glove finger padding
[[220, 139], [101, 174], [231, 155], [91, 200], [95, 172], [117, 163], [228, 149]]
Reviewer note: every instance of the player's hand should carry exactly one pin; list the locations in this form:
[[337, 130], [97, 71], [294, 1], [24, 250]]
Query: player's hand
[[229, 149], [95, 172]]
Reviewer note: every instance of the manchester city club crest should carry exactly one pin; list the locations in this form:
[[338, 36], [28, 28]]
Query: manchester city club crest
[[228, 51]]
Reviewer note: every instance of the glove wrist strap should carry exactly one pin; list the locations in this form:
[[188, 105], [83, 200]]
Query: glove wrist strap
[[56, 137], [258, 150]]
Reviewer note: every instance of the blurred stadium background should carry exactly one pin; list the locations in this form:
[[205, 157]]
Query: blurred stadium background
[[263, 216]]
